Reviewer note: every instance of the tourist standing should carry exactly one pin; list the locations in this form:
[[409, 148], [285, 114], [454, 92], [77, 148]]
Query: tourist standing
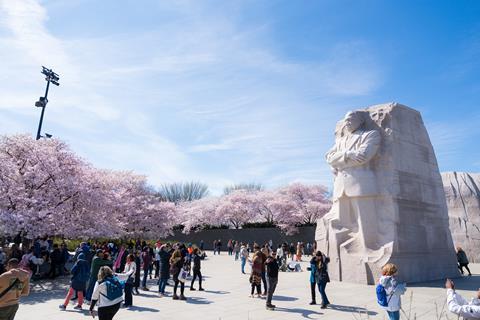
[[129, 275], [219, 246], [264, 254], [14, 283], [236, 250], [292, 250], [272, 278], [230, 247], [176, 265], [147, 260], [107, 294], [196, 270], [80, 275], [243, 257], [462, 260], [299, 252], [97, 262], [256, 273], [389, 283], [214, 247], [202, 245], [55, 262], [323, 277], [313, 278], [158, 246], [138, 262], [164, 266]]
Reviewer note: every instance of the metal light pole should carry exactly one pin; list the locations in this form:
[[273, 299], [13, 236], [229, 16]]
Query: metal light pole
[[52, 77]]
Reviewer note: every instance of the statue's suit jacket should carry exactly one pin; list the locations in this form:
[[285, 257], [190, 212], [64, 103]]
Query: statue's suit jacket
[[354, 178]]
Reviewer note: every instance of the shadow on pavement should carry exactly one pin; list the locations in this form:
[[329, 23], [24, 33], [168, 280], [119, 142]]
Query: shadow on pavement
[[44, 290], [217, 292], [461, 283], [284, 298], [351, 309], [198, 300], [142, 309], [303, 312]]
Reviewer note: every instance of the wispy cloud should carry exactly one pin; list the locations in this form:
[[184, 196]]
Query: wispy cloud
[[198, 96]]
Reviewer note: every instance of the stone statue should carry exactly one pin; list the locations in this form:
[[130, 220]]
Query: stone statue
[[388, 200]]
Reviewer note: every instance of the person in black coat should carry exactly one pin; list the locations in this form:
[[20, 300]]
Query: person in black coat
[[322, 276], [138, 262], [164, 268], [56, 259], [196, 270]]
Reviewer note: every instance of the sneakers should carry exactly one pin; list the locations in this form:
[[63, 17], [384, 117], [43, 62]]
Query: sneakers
[[312, 303], [270, 307], [62, 307], [201, 289], [192, 289], [77, 307], [182, 297], [175, 297]]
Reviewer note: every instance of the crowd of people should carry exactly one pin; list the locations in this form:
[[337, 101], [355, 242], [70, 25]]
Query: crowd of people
[[105, 275]]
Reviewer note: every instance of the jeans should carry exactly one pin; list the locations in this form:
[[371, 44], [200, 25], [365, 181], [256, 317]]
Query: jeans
[[195, 274], [8, 312], [162, 283], [244, 261], [393, 315], [236, 255], [144, 280], [128, 294], [271, 285], [157, 266], [107, 313], [312, 290], [321, 288]]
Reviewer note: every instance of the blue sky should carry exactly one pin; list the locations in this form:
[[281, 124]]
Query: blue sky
[[237, 91]]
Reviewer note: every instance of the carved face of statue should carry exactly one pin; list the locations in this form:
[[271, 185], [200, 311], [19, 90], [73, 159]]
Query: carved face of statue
[[353, 121]]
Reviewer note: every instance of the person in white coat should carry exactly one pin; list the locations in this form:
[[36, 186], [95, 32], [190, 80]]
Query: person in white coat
[[107, 308], [459, 305]]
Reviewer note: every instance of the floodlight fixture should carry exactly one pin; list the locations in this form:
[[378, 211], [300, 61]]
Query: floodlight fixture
[[50, 77]]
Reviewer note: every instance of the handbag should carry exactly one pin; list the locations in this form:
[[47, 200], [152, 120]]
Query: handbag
[[182, 276]]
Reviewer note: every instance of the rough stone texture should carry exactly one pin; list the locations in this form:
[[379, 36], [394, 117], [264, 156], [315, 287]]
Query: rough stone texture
[[462, 191], [250, 235], [389, 204]]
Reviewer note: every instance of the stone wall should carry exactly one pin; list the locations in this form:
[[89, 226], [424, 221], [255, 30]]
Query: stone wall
[[259, 235], [462, 191]]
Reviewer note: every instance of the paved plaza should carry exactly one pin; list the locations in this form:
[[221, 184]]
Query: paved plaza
[[227, 297]]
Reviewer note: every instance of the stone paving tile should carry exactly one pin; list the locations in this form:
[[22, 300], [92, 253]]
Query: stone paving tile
[[227, 298]]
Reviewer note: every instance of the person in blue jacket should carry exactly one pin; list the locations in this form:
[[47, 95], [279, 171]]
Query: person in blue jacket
[[80, 275]]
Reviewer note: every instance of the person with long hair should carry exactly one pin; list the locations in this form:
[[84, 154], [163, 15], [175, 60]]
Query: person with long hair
[[107, 306], [462, 261], [176, 264], [256, 273], [129, 274], [322, 277], [196, 270]]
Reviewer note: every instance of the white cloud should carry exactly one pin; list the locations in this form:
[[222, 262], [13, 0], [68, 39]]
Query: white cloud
[[196, 98]]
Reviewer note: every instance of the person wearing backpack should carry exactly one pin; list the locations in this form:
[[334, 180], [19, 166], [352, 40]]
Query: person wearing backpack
[[107, 294], [14, 283], [80, 275], [388, 296]]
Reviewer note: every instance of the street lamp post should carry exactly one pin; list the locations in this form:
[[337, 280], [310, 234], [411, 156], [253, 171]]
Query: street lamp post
[[52, 77]]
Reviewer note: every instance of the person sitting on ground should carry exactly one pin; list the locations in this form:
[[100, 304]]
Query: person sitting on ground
[[14, 283], [462, 260], [459, 305]]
